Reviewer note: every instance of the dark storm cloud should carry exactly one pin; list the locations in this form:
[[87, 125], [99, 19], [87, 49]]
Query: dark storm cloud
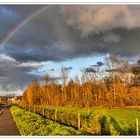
[[11, 15], [66, 32], [90, 70], [15, 75]]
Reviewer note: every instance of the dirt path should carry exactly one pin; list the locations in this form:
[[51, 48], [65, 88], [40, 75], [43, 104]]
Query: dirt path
[[7, 125]]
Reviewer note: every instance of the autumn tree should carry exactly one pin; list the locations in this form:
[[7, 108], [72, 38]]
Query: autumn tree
[[112, 63], [33, 93], [135, 69], [46, 78], [64, 74], [105, 84]]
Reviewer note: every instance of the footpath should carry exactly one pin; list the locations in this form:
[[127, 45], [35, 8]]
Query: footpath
[[7, 125]]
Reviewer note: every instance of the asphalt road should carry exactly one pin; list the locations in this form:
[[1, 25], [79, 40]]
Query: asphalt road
[[7, 125]]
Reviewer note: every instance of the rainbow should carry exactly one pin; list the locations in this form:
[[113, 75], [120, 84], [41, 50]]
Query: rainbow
[[20, 25]]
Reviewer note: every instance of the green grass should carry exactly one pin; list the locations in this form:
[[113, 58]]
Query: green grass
[[31, 124], [116, 121], [95, 121]]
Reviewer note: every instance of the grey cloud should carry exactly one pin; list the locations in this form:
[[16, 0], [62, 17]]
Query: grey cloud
[[66, 32], [111, 38], [57, 33], [90, 70], [100, 18], [15, 75], [11, 15]]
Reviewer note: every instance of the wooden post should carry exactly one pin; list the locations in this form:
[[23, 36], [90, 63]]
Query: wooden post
[[137, 126], [34, 108], [55, 115], [29, 108], [78, 121], [43, 111]]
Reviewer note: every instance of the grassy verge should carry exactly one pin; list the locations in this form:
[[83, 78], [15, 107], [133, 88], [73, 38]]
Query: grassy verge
[[30, 124], [94, 121]]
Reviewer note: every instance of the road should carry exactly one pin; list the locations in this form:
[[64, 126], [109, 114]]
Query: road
[[7, 125]]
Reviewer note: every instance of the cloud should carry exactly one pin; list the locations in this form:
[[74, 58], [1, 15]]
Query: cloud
[[11, 15], [100, 18], [15, 75], [31, 65], [64, 32], [3, 78], [90, 70], [111, 38]]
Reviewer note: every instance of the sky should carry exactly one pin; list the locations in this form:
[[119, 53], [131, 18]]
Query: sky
[[39, 39]]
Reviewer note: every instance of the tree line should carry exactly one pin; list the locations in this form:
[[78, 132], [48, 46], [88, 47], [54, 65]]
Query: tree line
[[112, 83]]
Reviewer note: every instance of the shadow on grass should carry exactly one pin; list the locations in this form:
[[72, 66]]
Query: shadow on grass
[[117, 126], [104, 126]]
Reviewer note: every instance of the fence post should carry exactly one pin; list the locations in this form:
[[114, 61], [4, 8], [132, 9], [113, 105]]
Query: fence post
[[34, 108], [137, 126], [78, 121], [55, 115], [43, 111], [29, 108]]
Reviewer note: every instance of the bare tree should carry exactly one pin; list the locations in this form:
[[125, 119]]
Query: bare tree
[[112, 63], [65, 75], [46, 78]]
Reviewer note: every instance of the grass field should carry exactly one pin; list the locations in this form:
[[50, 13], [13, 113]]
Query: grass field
[[31, 124], [95, 121]]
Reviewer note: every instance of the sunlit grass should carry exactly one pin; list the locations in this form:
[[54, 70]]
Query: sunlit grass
[[93, 121], [32, 124]]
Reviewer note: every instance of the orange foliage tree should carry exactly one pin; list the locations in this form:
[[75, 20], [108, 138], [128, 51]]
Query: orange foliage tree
[[111, 86]]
